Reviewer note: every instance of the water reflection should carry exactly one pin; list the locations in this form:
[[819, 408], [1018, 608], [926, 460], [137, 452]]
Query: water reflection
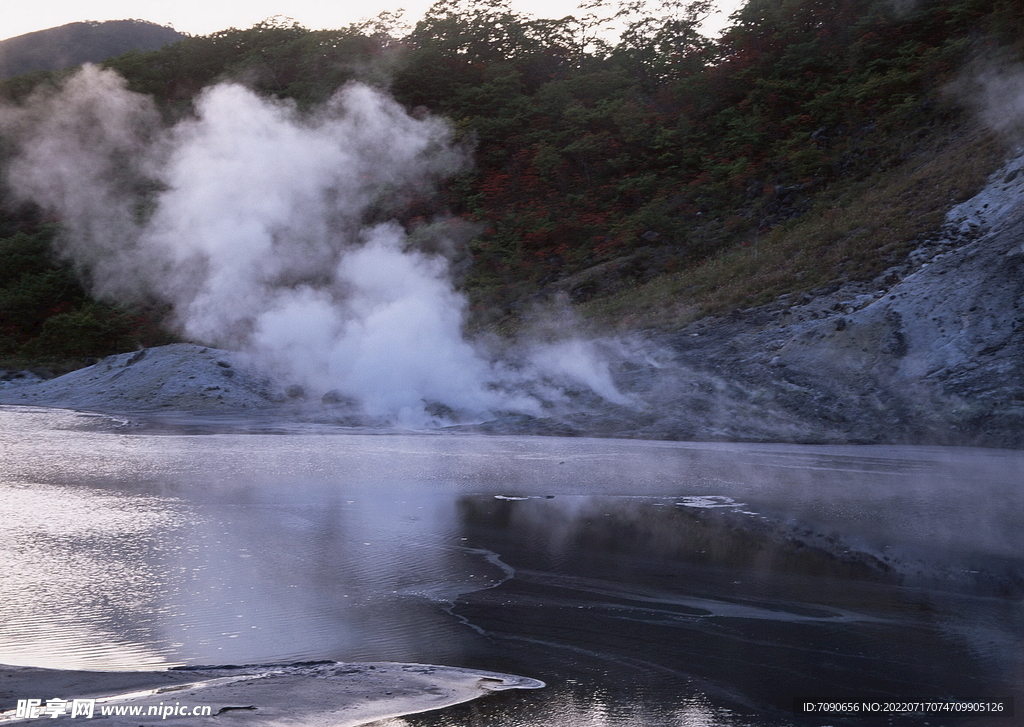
[[648, 583], [760, 610], [80, 589], [573, 706]]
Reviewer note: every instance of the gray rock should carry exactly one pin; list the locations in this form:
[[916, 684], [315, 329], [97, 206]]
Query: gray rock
[[931, 352], [179, 377]]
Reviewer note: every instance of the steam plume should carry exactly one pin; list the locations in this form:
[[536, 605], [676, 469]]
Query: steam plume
[[998, 92], [268, 231]]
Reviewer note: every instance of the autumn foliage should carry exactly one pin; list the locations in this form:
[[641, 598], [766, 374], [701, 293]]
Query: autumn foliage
[[618, 128]]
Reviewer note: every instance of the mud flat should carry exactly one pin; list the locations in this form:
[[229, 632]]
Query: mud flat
[[328, 694]]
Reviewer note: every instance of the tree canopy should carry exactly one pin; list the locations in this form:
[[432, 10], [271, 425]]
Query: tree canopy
[[588, 148]]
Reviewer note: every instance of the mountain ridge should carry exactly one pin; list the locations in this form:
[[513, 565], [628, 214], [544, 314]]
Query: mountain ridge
[[63, 46]]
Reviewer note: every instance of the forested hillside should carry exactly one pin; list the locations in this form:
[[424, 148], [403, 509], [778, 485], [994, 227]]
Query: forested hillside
[[75, 43], [649, 179]]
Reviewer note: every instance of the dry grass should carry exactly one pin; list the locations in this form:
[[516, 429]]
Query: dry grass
[[855, 231]]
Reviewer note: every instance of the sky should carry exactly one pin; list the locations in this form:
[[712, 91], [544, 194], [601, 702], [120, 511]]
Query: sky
[[199, 17]]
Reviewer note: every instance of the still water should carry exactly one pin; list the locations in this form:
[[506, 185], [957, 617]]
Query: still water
[[648, 583]]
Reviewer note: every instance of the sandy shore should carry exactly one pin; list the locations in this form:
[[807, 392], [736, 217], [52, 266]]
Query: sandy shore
[[329, 694]]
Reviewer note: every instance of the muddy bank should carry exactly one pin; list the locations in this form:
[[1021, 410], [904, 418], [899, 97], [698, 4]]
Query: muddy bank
[[331, 694]]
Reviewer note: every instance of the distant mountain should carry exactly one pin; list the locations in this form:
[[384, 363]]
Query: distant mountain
[[74, 43]]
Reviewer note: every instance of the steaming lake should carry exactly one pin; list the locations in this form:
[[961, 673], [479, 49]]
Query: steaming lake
[[648, 583]]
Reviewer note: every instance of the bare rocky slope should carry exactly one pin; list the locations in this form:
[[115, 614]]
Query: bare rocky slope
[[930, 352]]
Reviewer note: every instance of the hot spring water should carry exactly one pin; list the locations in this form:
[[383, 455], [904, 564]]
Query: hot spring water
[[646, 582]]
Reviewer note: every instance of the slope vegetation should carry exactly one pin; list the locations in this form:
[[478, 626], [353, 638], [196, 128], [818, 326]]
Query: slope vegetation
[[649, 181]]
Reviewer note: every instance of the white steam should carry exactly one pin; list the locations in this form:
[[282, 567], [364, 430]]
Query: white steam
[[267, 231], [998, 91]]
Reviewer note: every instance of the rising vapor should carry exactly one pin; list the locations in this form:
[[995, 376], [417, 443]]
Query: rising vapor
[[270, 231]]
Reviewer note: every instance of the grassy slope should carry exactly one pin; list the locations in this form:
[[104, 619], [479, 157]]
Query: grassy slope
[[854, 231]]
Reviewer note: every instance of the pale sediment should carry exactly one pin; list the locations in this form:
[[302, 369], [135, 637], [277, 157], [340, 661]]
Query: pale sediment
[[179, 377], [328, 694]]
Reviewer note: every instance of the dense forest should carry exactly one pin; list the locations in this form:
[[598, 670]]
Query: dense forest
[[622, 161]]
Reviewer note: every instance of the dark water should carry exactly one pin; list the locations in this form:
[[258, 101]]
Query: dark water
[[648, 583]]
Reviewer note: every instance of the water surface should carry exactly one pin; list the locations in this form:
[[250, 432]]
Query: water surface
[[648, 583]]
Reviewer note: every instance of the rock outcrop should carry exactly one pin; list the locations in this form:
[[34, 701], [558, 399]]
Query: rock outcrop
[[930, 352], [180, 377]]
